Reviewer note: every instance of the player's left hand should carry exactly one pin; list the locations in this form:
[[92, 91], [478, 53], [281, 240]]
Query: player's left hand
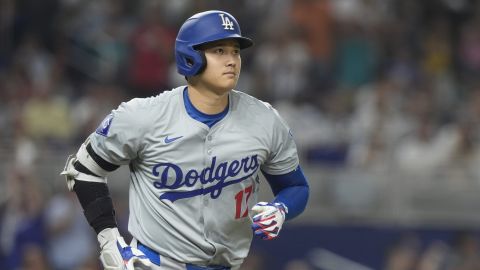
[[117, 255], [269, 219]]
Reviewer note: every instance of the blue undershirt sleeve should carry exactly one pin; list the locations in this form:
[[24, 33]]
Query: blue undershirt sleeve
[[290, 189]]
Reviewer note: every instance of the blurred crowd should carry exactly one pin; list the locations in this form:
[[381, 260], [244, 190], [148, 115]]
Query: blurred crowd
[[369, 86]]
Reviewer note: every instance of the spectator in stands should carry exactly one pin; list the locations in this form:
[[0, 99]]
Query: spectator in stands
[[34, 259], [67, 230], [151, 53], [465, 253], [283, 68], [403, 254], [46, 117], [21, 220]]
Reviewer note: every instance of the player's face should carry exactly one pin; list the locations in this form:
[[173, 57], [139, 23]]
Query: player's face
[[223, 65]]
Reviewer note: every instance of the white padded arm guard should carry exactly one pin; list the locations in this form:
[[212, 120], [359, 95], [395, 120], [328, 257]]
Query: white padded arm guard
[[71, 174], [84, 157]]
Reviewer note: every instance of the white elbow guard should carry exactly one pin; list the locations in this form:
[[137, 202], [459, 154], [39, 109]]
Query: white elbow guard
[[71, 174]]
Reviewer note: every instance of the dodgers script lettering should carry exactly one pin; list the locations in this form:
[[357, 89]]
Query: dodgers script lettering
[[213, 178]]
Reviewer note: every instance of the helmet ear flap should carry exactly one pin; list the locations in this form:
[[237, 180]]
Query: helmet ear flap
[[204, 63], [190, 62]]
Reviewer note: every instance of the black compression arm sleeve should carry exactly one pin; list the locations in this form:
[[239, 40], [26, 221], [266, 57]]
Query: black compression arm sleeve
[[96, 203], [95, 197]]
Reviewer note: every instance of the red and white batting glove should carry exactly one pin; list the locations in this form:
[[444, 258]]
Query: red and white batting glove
[[117, 255], [269, 219]]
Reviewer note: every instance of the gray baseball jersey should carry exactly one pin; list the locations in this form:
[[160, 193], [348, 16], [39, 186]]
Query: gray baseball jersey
[[192, 186]]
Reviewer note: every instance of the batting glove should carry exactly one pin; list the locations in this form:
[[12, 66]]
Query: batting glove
[[117, 255], [269, 219]]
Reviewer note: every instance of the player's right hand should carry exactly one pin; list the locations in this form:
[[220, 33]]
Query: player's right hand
[[269, 219], [117, 255]]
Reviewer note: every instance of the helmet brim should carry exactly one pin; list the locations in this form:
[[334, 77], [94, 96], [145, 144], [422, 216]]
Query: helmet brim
[[243, 42]]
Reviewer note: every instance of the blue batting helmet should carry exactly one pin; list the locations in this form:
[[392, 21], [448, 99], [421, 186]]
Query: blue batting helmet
[[200, 29]]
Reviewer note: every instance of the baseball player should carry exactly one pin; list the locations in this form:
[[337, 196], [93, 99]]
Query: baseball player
[[195, 154]]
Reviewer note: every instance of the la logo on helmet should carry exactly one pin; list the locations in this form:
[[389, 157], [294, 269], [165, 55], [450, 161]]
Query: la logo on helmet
[[226, 22]]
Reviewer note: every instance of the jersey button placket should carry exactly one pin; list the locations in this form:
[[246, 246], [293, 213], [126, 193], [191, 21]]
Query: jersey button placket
[[205, 198], [208, 161], [209, 145]]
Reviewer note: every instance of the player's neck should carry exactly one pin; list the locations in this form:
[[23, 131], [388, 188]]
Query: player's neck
[[206, 101]]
